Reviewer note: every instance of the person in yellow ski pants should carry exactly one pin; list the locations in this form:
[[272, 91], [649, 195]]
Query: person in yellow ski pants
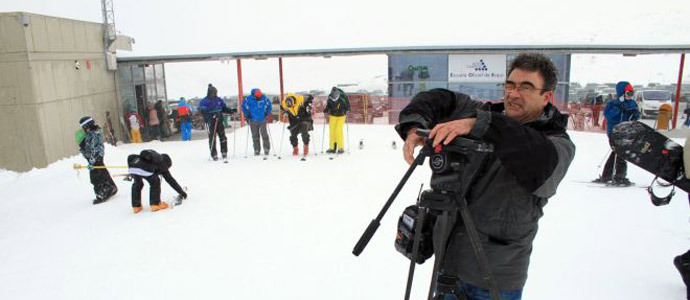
[[335, 133]]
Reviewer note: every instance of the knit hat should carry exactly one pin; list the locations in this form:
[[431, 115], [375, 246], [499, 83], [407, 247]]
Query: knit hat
[[167, 162], [289, 101], [211, 89], [623, 87], [257, 93]]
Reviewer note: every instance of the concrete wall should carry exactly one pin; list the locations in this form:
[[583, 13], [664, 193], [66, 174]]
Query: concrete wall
[[42, 94]]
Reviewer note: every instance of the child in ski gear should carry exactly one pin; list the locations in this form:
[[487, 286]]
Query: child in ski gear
[[618, 110], [149, 165], [298, 109], [135, 124], [337, 107], [532, 153], [212, 107], [256, 108], [90, 144], [185, 119]]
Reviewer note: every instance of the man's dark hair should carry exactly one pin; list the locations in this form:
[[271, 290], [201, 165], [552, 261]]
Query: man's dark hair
[[537, 62]]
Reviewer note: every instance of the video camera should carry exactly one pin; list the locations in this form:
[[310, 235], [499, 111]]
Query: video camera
[[449, 166], [454, 168]]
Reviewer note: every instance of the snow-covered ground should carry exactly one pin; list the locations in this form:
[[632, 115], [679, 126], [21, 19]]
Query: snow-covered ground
[[285, 229]]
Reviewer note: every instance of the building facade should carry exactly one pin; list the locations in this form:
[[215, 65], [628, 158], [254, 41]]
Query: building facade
[[53, 71]]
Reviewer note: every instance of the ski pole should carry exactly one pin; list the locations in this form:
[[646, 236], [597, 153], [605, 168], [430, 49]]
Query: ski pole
[[270, 138], [282, 135], [213, 137], [78, 166], [323, 131], [246, 140], [602, 161], [234, 136], [347, 129]]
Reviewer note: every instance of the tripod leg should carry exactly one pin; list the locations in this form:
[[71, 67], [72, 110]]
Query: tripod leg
[[415, 251]]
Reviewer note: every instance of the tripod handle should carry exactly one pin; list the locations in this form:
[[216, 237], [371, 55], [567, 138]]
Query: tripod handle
[[364, 240]]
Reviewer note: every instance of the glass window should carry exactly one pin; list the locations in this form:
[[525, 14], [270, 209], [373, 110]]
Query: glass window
[[418, 67], [125, 74], [159, 72], [479, 91], [138, 74], [160, 86], [129, 102], [148, 71], [409, 89]]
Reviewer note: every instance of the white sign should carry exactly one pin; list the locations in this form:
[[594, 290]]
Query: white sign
[[477, 68]]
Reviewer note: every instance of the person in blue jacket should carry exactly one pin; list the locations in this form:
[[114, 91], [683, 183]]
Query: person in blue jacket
[[212, 107], [256, 108], [622, 108]]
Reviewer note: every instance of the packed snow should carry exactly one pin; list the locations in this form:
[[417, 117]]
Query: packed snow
[[285, 229]]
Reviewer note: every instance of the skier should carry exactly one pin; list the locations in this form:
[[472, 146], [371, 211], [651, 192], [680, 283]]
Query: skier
[[622, 108], [185, 119], [337, 107], [148, 165], [256, 108], [135, 123], [90, 144], [298, 109], [212, 107]]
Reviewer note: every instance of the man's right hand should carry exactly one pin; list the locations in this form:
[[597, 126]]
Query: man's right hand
[[413, 140]]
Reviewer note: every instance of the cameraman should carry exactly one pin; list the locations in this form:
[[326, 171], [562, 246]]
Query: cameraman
[[532, 154]]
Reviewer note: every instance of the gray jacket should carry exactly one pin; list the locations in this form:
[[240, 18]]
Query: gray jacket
[[508, 195]]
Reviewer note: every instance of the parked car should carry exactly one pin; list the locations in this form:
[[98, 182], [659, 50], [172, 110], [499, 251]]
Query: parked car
[[649, 101]]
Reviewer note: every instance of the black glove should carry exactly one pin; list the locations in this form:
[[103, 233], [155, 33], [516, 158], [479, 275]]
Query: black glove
[[183, 195]]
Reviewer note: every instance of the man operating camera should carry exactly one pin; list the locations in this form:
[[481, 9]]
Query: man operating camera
[[532, 153]]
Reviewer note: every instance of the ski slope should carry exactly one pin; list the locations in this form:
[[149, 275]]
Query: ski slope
[[285, 229]]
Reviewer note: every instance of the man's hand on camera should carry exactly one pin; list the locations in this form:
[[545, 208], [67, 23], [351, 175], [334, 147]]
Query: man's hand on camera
[[413, 140], [446, 132]]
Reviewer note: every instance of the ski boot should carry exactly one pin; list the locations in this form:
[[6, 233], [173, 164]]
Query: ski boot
[[137, 209], [225, 155], [306, 149], [601, 180], [622, 182], [329, 151], [160, 206], [295, 151]]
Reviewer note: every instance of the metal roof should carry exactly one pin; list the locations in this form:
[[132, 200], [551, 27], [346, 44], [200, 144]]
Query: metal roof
[[468, 49]]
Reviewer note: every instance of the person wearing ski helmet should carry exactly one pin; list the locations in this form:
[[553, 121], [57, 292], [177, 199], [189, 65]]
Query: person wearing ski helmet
[[149, 165], [90, 143], [212, 108], [622, 108], [298, 110], [337, 107], [531, 155], [256, 108]]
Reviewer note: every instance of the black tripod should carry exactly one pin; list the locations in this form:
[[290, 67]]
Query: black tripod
[[451, 165]]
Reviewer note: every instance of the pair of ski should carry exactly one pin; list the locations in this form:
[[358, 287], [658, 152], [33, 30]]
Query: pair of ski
[[607, 184]]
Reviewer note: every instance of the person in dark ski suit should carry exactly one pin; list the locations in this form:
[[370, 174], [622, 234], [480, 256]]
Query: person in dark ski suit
[[212, 107], [256, 108], [337, 107], [622, 108], [298, 110], [162, 117], [532, 153], [90, 144], [149, 165]]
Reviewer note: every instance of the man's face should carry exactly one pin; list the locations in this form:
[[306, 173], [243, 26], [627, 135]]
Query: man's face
[[524, 100], [213, 94]]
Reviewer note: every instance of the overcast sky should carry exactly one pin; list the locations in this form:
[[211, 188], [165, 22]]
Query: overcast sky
[[209, 26]]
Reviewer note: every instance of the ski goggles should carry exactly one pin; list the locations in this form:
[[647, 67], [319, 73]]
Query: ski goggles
[[630, 93]]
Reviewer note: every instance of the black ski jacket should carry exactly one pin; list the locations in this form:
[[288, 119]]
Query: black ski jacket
[[151, 163], [507, 197]]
